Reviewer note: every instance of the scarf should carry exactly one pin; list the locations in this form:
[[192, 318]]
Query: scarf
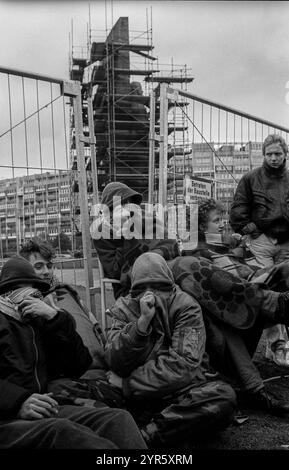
[[10, 302]]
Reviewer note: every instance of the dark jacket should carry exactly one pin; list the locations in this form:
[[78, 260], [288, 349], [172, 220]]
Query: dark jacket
[[169, 357], [118, 255], [261, 203], [34, 352], [67, 298]]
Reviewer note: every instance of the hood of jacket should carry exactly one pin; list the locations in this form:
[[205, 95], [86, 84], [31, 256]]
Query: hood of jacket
[[151, 268], [120, 190]]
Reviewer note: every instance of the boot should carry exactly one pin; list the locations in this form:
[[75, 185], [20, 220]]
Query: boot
[[265, 401]]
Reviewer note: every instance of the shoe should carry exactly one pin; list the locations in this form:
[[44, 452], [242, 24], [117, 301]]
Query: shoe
[[150, 434], [265, 401], [280, 355]]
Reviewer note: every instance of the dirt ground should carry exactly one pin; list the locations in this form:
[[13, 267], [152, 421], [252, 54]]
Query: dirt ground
[[260, 431]]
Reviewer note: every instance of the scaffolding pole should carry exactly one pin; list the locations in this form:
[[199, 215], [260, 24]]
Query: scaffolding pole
[[92, 143]]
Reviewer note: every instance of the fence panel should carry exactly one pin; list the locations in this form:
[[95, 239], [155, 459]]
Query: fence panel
[[224, 143], [36, 197]]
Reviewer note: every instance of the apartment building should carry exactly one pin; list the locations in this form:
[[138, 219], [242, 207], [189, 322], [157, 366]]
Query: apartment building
[[34, 205], [223, 167]]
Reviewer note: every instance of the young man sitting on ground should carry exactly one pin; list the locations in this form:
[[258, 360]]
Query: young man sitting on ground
[[155, 350], [38, 344], [231, 350]]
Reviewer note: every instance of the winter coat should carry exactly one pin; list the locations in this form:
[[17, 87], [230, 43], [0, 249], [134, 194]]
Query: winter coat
[[67, 298], [261, 203], [169, 357], [34, 352]]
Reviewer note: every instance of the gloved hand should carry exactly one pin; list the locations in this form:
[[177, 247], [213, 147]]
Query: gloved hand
[[99, 390]]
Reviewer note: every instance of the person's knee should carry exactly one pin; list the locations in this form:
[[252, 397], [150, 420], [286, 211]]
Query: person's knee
[[62, 425], [228, 393], [124, 418]]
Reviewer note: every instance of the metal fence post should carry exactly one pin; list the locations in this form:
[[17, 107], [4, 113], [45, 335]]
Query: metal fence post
[[163, 159], [151, 149], [86, 239]]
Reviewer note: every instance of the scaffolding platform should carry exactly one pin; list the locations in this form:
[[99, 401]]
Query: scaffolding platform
[[170, 79]]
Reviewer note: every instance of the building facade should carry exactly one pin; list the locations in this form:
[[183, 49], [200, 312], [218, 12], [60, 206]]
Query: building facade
[[34, 205], [223, 167]]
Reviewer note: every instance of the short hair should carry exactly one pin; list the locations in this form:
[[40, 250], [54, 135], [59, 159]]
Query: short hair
[[274, 139], [204, 207], [37, 245]]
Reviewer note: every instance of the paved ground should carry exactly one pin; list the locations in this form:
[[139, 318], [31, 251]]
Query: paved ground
[[260, 431]]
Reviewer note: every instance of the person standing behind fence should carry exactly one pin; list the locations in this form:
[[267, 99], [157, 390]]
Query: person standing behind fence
[[260, 212]]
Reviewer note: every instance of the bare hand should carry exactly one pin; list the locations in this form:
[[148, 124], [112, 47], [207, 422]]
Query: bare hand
[[120, 216], [147, 311], [114, 379], [147, 305], [36, 307], [38, 406]]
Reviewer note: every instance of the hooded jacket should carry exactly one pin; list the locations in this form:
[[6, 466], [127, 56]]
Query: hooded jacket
[[34, 352], [118, 255], [261, 203], [121, 190], [169, 357]]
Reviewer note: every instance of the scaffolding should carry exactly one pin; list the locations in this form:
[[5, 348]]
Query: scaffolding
[[121, 107]]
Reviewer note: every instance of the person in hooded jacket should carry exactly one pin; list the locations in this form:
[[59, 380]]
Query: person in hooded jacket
[[156, 352], [260, 212], [117, 248]]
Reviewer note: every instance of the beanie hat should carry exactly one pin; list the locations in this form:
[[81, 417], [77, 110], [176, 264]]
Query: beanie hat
[[18, 270]]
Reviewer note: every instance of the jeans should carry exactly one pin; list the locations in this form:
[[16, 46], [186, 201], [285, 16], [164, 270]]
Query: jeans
[[267, 253], [231, 351], [75, 427]]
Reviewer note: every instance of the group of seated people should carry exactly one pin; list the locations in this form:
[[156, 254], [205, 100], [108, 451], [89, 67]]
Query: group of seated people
[[176, 361]]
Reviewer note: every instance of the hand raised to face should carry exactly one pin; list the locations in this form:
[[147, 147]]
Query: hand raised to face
[[33, 307]]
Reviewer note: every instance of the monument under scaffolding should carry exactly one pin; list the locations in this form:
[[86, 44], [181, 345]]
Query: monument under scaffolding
[[117, 76]]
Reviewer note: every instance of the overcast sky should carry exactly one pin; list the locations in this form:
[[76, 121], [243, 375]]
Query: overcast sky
[[238, 51]]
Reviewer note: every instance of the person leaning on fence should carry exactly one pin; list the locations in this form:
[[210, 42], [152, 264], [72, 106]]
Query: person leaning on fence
[[39, 343], [260, 212], [231, 350], [155, 349]]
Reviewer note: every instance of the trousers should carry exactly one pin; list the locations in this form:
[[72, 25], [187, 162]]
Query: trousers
[[267, 253], [231, 351], [203, 408], [75, 427]]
